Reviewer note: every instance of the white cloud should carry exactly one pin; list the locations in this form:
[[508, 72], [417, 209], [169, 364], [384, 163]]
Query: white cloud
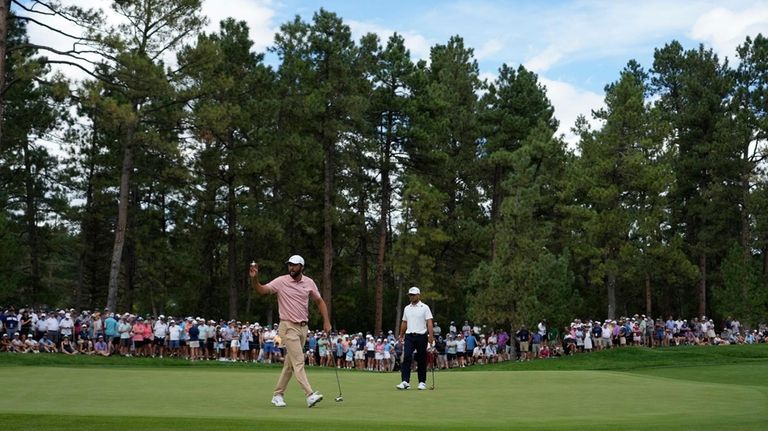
[[489, 48], [258, 14], [570, 102], [724, 29], [414, 41]]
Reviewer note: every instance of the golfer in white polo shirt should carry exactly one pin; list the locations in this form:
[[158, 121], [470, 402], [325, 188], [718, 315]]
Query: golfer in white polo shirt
[[415, 332]]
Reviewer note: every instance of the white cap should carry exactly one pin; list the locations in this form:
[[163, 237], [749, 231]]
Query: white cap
[[414, 291], [296, 260]]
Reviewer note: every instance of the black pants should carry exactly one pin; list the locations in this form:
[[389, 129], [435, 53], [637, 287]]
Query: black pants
[[417, 342]]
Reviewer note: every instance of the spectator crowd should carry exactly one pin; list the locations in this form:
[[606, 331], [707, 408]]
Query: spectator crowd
[[106, 333]]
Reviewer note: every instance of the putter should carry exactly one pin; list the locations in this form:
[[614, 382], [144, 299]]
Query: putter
[[338, 382]]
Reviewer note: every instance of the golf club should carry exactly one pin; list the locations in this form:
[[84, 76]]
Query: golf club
[[432, 388], [338, 382]]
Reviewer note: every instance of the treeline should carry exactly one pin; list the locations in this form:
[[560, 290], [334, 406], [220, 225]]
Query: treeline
[[169, 179]]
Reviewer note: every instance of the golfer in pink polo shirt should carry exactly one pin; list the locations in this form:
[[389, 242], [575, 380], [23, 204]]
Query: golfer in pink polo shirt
[[293, 292]]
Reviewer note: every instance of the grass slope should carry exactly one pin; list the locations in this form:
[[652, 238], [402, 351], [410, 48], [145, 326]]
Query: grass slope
[[65, 393]]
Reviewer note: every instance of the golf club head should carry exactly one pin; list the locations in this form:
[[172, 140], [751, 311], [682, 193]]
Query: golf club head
[[339, 399]]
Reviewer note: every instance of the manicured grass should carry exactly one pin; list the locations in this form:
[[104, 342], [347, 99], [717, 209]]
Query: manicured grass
[[142, 394]]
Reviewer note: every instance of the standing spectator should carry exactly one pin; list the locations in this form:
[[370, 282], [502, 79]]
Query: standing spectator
[[124, 329], [542, 330], [269, 344], [536, 341], [138, 336], [360, 351], [25, 322], [553, 336], [370, 352], [40, 326], [174, 335], [648, 331], [52, 328], [389, 355], [450, 350], [111, 335], [452, 328], [194, 341], [503, 344], [246, 337], [160, 331], [293, 291], [97, 324], [435, 328], [11, 321], [416, 333], [466, 329], [597, 335], [523, 337], [379, 355], [461, 350], [607, 332], [587, 338], [471, 342], [66, 326]]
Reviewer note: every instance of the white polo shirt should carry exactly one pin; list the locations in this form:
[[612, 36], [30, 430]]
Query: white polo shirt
[[416, 315]]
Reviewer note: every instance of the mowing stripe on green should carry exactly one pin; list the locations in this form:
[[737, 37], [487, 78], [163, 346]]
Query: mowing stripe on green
[[158, 397]]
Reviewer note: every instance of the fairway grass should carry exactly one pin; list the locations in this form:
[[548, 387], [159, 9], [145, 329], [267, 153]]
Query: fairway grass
[[726, 396]]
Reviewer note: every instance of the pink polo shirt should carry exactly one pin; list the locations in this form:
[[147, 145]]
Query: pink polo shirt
[[293, 296]]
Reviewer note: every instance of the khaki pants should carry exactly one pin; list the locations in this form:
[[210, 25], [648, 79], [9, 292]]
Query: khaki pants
[[293, 336]]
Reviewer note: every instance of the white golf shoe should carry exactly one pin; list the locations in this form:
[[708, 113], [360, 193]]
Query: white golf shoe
[[314, 398], [422, 386], [403, 385], [278, 401]]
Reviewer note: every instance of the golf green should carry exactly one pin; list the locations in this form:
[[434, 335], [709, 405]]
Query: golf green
[[82, 398]]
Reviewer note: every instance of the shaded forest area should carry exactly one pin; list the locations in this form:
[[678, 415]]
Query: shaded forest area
[[383, 172]]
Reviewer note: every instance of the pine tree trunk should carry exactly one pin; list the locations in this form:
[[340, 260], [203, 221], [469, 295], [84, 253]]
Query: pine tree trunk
[[328, 228], [648, 303], [495, 208], [361, 211], [5, 7], [611, 287], [122, 219], [31, 221], [765, 260], [232, 248], [702, 294], [383, 228]]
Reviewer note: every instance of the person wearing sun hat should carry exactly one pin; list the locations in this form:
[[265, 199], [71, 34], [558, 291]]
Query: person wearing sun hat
[[416, 332], [293, 290]]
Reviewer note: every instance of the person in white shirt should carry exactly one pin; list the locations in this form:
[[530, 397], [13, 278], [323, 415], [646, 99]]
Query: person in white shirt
[[174, 335], [160, 330], [52, 328], [40, 327], [66, 326], [415, 332]]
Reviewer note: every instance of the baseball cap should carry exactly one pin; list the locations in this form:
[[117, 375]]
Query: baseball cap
[[414, 291], [296, 260]]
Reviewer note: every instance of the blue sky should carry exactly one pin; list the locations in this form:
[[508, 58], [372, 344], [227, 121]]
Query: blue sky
[[576, 47]]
